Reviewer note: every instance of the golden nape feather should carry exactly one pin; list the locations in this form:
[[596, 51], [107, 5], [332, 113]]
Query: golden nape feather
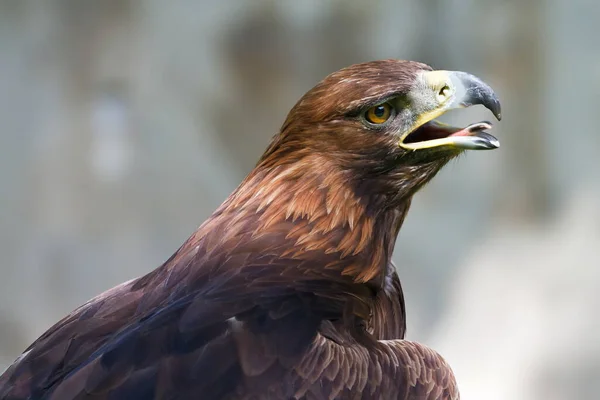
[[287, 291]]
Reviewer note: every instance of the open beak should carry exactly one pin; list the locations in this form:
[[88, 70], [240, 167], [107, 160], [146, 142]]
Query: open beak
[[451, 90]]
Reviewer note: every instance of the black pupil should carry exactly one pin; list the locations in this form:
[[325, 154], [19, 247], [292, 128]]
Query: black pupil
[[380, 111]]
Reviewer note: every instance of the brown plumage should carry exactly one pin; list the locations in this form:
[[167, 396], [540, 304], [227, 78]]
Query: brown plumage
[[287, 291]]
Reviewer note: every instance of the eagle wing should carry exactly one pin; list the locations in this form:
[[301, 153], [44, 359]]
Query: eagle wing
[[224, 345], [394, 369], [171, 331]]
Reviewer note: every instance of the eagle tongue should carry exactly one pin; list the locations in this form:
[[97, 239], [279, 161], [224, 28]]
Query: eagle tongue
[[473, 129]]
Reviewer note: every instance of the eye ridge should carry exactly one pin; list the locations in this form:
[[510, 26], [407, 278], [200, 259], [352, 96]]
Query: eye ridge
[[379, 114]]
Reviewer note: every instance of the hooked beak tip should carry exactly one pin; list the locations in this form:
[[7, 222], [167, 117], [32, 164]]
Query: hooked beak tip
[[473, 91]]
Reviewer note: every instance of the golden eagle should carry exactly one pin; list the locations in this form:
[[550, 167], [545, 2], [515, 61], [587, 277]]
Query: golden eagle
[[287, 291]]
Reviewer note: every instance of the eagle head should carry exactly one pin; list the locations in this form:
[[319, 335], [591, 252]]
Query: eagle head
[[375, 124]]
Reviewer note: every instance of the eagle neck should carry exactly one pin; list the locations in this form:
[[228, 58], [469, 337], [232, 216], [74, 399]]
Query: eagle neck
[[311, 212]]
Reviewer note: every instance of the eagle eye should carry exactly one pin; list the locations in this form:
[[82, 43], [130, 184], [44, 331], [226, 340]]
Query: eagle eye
[[379, 114]]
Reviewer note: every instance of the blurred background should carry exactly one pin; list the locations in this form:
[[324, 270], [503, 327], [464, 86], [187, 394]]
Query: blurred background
[[124, 124]]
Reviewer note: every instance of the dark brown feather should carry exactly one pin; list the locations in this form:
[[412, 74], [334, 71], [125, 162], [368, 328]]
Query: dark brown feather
[[286, 291], [388, 319]]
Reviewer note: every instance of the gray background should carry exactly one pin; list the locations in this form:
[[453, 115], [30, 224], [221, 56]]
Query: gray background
[[124, 123]]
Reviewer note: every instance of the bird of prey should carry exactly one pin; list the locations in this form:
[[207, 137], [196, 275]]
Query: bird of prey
[[287, 290]]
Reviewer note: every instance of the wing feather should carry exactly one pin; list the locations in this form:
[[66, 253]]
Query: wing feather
[[388, 319], [398, 370]]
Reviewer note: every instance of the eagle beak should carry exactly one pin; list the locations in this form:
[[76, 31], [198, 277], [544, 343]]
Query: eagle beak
[[448, 90], [470, 90]]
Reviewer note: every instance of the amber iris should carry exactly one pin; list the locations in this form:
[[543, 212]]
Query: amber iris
[[379, 114]]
